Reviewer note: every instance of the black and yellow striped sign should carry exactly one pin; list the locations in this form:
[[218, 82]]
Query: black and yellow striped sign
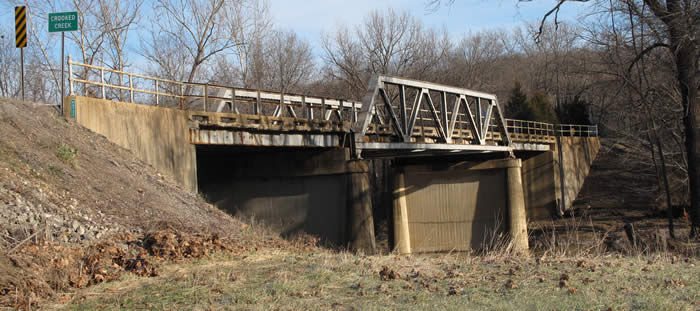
[[21, 26]]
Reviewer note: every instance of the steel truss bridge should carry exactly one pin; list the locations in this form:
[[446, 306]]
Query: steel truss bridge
[[397, 117]]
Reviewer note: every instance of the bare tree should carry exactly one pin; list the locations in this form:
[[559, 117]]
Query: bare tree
[[187, 31], [250, 24], [117, 18], [9, 66], [386, 43], [290, 59], [474, 61], [674, 25]]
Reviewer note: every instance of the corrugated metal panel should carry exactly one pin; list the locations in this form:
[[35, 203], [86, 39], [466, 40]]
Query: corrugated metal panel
[[455, 209]]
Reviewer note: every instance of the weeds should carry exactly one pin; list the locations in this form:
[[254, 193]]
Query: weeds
[[55, 170], [67, 154]]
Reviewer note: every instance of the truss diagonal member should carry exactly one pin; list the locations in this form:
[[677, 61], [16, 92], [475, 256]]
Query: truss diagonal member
[[502, 126], [414, 113], [455, 114], [339, 114], [472, 123], [443, 117], [394, 120], [291, 111], [402, 109], [433, 112], [486, 123], [367, 109], [479, 121]]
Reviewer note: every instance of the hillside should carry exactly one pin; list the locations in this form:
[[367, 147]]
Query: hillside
[[65, 189]]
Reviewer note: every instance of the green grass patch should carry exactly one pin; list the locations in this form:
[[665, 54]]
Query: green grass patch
[[67, 154]]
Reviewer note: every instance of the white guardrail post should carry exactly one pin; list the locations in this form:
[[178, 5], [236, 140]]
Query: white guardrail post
[[102, 82], [131, 89], [70, 75]]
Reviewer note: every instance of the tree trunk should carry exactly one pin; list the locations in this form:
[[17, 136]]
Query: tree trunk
[[686, 56], [669, 206]]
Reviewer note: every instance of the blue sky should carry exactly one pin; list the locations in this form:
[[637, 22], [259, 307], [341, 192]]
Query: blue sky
[[311, 18]]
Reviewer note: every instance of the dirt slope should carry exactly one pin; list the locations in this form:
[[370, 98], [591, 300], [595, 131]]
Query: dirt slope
[[59, 176], [76, 210], [617, 209]]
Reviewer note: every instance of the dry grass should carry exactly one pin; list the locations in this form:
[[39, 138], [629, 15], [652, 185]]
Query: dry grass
[[298, 277]]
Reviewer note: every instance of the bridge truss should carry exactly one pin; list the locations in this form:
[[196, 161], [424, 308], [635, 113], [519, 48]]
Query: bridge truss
[[415, 117]]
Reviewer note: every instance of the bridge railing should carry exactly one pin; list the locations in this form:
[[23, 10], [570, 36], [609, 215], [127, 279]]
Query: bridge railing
[[577, 130], [107, 83], [530, 127], [520, 128]]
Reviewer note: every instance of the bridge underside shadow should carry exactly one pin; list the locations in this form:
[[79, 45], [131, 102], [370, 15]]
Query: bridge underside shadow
[[290, 190]]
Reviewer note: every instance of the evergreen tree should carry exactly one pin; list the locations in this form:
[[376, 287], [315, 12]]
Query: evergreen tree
[[539, 108], [517, 102], [574, 111]]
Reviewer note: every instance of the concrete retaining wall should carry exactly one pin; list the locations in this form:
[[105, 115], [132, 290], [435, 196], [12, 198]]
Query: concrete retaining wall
[[542, 170], [156, 135], [578, 153]]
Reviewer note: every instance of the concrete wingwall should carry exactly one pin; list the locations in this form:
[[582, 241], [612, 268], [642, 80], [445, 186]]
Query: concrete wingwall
[[156, 135], [577, 155], [542, 171]]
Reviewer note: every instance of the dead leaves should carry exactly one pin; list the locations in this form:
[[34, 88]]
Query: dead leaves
[[387, 274], [564, 280], [454, 290], [50, 267], [173, 245], [674, 283]]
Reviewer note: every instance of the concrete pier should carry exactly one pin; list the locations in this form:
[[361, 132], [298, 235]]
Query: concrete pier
[[458, 206], [516, 206]]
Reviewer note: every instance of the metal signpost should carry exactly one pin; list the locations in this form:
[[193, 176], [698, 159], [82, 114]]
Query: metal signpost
[[21, 36], [62, 22]]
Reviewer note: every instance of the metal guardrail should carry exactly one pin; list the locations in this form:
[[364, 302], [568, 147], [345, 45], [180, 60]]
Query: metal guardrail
[[577, 130], [208, 97]]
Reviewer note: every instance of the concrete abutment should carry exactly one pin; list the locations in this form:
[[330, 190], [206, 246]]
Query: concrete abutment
[[317, 191]]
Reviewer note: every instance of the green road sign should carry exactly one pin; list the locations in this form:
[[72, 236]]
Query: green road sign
[[64, 21]]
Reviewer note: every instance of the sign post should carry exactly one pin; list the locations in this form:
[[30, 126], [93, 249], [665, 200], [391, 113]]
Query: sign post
[[21, 37], [62, 22]]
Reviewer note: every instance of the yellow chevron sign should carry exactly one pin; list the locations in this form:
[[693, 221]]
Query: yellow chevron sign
[[20, 26]]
